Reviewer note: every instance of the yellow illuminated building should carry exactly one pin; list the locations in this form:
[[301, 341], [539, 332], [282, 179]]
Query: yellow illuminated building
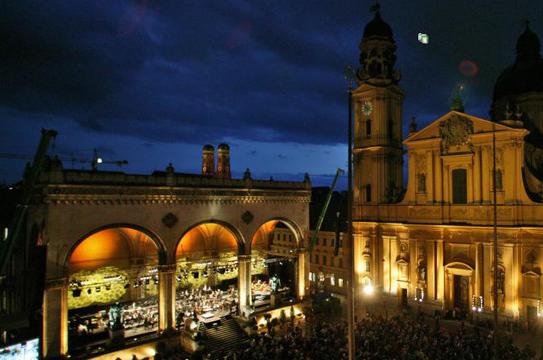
[[428, 240]]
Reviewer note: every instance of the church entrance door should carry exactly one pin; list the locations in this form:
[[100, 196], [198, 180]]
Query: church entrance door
[[461, 293], [532, 317], [403, 297]]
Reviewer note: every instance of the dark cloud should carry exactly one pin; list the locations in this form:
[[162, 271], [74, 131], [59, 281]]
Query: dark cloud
[[205, 71]]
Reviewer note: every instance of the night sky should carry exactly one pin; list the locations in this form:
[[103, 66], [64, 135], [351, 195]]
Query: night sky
[[152, 81]]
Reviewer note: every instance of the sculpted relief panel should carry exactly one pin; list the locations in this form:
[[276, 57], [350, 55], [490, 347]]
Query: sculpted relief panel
[[455, 132]]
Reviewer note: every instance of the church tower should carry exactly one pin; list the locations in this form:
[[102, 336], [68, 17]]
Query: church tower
[[377, 104]]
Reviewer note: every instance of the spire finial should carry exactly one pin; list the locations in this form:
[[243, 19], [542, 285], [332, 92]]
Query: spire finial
[[457, 103], [375, 7]]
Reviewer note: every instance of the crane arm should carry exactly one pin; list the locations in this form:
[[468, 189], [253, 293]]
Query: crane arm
[[22, 208], [324, 209]]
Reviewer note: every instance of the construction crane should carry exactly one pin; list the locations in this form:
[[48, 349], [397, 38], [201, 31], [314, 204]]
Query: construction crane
[[97, 160], [21, 209], [94, 162], [324, 209]]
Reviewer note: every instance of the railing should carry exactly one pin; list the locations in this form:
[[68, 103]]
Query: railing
[[81, 177], [472, 214]]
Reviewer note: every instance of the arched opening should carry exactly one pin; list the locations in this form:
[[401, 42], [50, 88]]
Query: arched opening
[[206, 274], [274, 260], [459, 288], [113, 287]]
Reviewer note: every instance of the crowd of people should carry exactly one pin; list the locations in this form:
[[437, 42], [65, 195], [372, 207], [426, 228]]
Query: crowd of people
[[378, 338]]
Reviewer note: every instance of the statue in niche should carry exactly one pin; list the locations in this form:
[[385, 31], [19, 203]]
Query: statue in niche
[[421, 186], [421, 270], [501, 280]]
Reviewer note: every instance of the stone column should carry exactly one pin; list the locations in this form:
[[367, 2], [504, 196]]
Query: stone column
[[302, 273], [244, 282], [440, 291], [55, 318], [477, 176], [166, 297]]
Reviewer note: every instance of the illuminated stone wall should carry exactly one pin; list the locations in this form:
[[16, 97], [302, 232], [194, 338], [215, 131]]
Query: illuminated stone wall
[[439, 250]]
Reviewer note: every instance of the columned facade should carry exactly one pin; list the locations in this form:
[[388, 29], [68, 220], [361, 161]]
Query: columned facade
[[99, 220], [431, 244]]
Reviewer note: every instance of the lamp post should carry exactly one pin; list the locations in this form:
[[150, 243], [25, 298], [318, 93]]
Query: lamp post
[[495, 242], [350, 77]]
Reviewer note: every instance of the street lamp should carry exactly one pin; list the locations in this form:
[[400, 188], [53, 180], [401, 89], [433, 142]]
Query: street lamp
[[368, 289], [351, 78]]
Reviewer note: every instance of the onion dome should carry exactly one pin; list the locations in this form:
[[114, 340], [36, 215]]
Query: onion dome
[[526, 74], [223, 147], [208, 147], [377, 27]]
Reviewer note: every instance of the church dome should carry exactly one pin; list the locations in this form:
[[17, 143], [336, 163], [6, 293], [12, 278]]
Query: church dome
[[526, 74], [377, 27]]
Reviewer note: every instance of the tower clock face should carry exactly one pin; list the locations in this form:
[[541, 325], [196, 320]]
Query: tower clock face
[[367, 107]]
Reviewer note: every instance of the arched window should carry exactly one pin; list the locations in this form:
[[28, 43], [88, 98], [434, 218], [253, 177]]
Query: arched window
[[368, 127], [368, 193], [459, 186]]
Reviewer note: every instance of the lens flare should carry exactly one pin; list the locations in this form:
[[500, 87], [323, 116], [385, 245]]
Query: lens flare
[[468, 68]]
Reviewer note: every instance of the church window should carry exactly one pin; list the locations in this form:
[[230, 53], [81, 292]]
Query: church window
[[421, 183], [368, 127], [459, 186], [368, 193]]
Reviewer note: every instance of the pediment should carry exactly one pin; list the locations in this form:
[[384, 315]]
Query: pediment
[[455, 127]]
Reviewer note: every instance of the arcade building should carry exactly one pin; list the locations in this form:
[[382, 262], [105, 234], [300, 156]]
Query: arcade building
[[134, 255], [431, 244]]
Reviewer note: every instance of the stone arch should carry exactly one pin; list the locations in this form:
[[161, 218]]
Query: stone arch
[[160, 247], [459, 285], [460, 267], [290, 224], [235, 233]]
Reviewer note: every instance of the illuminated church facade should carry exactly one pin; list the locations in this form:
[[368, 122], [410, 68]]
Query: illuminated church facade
[[432, 243]]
